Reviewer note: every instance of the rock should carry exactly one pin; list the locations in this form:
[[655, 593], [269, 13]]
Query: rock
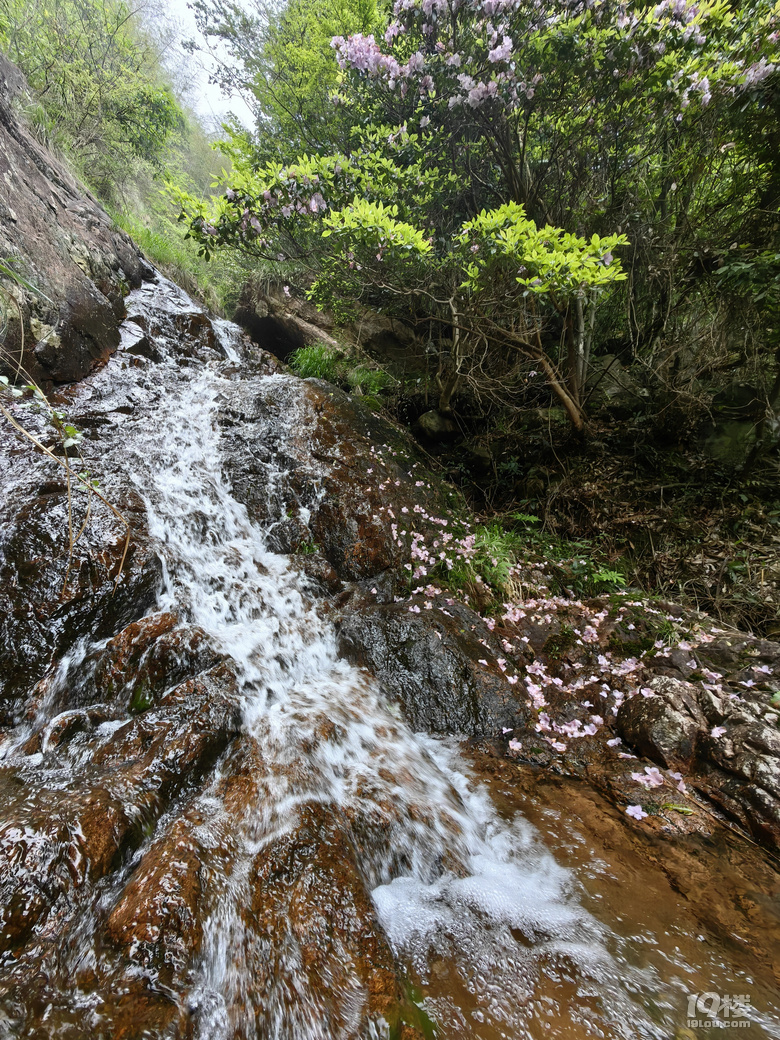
[[278, 334], [144, 660], [169, 322], [389, 340], [54, 842], [157, 920], [180, 737], [614, 387], [729, 750], [666, 727], [48, 602], [446, 679], [437, 426], [51, 844], [310, 911], [349, 475], [133, 340]]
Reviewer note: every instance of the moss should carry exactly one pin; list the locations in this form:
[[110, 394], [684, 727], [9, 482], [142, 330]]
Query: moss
[[140, 700], [630, 647], [556, 645], [414, 1015]]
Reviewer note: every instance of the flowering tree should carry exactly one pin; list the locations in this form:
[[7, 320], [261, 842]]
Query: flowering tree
[[486, 282], [492, 125]]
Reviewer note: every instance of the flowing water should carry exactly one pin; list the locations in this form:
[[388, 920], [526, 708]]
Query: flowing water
[[495, 934]]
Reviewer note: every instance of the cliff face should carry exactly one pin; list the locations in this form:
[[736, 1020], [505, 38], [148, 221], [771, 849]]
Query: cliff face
[[56, 236]]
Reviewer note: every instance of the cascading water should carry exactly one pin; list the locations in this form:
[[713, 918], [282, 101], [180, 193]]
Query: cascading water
[[475, 908]]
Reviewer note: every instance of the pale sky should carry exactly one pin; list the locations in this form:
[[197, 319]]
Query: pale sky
[[206, 98]]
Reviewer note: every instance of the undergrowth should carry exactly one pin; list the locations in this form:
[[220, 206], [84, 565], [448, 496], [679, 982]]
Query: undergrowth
[[163, 243], [320, 361]]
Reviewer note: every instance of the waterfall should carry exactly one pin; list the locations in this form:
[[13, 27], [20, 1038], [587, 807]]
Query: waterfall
[[472, 903]]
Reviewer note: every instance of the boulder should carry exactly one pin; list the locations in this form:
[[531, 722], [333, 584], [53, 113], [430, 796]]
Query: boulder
[[48, 599], [349, 476], [310, 911], [728, 745], [157, 921], [438, 664], [437, 427], [666, 727]]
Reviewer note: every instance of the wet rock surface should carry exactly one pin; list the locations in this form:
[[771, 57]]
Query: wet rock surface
[[214, 826], [347, 474], [441, 668], [652, 724], [709, 885], [50, 599], [310, 903], [729, 744], [61, 241]]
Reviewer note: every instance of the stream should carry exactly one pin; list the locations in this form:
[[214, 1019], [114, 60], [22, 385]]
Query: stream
[[327, 865]]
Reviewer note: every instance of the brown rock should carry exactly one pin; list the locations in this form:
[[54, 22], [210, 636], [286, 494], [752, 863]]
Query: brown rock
[[310, 904], [51, 844], [432, 662], [344, 467], [64, 243], [48, 602], [158, 918], [666, 727]]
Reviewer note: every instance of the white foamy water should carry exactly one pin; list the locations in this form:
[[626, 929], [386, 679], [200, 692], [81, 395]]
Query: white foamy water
[[449, 878]]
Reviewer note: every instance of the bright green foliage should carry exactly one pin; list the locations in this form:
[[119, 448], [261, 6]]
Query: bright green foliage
[[368, 382], [495, 554], [320, 361], [284, 67], [99, 81], [544, 260], [275, 212], [317, 361], [645, 128], [374, 226]]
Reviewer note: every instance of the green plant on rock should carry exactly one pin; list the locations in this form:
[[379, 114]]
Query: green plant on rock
[[369, 382], [318, 361], [488, 556], [18, 387]]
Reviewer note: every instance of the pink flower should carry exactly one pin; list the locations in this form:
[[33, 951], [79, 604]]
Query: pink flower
[[652, 777], [636, 812], [717, 731]]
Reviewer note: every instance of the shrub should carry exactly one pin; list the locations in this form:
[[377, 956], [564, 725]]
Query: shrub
[[317, 361]]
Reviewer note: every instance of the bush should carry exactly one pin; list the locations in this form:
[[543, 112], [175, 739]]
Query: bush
[[370, 382], [317, 361]]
